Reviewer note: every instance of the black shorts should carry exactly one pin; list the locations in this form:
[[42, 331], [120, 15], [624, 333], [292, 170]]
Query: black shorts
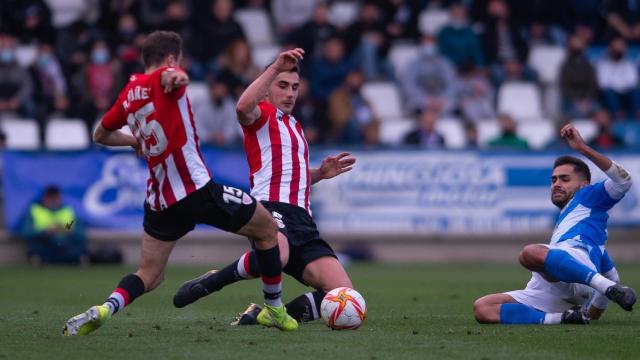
[[305, 243], [224, 207]]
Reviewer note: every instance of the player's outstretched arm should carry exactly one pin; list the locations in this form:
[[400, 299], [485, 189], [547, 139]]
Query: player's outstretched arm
[[332, 166], [114, 138], [172, 79], [620, 178], [247, 107]]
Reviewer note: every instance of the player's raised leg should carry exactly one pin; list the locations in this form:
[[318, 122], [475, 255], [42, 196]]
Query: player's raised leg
[[264, 232], [504, 309], [149, 275], [559, 265], [245, 268]]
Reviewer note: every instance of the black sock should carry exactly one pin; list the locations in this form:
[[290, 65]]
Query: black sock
[[306, 307], [129, 288], [270, 274], [244, 268]]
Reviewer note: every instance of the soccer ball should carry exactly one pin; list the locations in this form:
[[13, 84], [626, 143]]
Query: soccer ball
[[343, 308]]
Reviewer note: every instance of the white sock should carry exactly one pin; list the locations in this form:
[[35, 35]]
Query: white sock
[[600, 283], [552, 318]]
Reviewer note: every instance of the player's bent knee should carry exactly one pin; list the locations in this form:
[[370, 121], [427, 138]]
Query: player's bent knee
[[532, 256], [482, 311]]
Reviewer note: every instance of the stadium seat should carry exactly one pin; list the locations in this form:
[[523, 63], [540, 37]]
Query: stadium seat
[[521, 100], [431, 21], [401, 54], [66, 134], [546, 60], [26, 55], [22, 134], [453, 132], [487, 130], [65, 12], [393, 132], [537, 133], [343, 13], [384, 98], [587, 128], [263, 55], [256, 26], [198, 92]]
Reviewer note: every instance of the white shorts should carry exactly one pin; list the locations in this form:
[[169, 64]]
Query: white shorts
[[556, 297]]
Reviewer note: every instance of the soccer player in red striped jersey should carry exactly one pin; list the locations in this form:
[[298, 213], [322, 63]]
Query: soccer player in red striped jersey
[[280, 177], [180, 191]]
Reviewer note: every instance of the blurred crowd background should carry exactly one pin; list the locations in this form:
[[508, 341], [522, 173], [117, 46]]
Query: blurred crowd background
[[436, 74]]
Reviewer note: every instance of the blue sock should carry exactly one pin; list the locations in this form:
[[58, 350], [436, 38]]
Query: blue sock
[[520, 314], [563, 267]]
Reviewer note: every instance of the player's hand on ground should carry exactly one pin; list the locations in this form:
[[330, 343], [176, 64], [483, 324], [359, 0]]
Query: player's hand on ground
[[335, 165], [174, 79], [572, 136], [288, 59]]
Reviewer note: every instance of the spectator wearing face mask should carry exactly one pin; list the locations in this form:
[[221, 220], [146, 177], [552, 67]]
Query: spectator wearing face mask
[[458, 42], [16, 87], [216, 118], [578, 82], [618, 81], [51, 86], [429, 80]]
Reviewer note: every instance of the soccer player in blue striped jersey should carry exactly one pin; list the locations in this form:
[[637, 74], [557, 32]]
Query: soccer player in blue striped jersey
[[573, 276]]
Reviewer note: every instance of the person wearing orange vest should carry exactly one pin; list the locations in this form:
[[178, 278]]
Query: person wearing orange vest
[[52, 232]]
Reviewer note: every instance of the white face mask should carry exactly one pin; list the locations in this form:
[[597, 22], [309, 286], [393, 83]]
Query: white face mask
[[428, 49]]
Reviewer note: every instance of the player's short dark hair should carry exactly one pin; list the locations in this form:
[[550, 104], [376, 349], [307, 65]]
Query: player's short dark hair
[[160, 44], [579, 166], [295, 69]]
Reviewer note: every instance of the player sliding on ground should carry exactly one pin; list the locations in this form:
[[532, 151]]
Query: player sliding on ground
[[280, 178], [180, 192], [574, 269]]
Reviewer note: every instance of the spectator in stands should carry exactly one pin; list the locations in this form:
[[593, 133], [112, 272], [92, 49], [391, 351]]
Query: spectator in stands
[[30, 20], [329, 71], [99, 81], [429, 80], [368, 42], [127, 44], [513, 70], [289, 15], [457, 40], [51, 86], [305, 113], [16, 85], [153, 12], [605, 139], [470, 136], [403, 18], [112, 10], [475, 94], [215, 30], [351, 118], [623, 18], [236, 66], [618, 81], [502, 38], [578, 82], [425, 135], [216, 119], [508, 139], [53, 232], [312, 35]]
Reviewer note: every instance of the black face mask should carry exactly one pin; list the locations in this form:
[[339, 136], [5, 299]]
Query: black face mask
[[617, 55], [575, 52], [218, 101]]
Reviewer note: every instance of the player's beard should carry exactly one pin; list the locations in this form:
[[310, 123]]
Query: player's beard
[[561, 201]]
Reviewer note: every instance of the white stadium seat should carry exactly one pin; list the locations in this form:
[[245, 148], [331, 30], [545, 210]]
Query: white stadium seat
[[26, 55], [393, 132], [521, 100], [587, 128], [66, 134], [22, 134], [453, 132], [537, 133], [264, 55], [401, 54], [487, 130], [431, 21], [256, 26], [343, 13], [546, 60], [384, 98]]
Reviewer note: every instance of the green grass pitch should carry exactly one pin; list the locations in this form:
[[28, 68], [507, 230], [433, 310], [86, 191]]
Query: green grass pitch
[[415, 312]]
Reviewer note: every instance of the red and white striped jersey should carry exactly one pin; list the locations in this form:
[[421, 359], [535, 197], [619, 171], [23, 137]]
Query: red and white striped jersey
[[278, 157], [164, 127]]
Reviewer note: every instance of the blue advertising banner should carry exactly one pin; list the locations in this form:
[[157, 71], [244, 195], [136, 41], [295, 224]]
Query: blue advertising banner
[[395, 192], [106, 188]]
